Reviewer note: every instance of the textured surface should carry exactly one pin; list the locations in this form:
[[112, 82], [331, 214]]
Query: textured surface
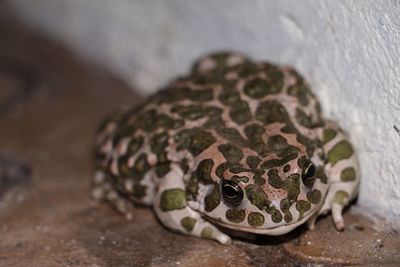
[[348, 50], [51, 221]]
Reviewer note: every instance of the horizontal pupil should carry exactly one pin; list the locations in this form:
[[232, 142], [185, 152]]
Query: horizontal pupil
[[230, 191], [310, 170]]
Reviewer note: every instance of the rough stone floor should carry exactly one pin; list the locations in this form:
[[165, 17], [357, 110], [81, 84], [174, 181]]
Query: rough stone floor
[[50, 105]]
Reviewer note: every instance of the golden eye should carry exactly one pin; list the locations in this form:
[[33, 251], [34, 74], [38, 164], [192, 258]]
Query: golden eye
[[232, 192], [308, 174]]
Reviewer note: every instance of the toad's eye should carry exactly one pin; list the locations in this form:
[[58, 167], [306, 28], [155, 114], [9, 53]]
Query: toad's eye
[[231, 192], [308, 174]]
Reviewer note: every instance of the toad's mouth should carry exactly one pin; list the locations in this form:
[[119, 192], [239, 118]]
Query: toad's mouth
[[274, 231]]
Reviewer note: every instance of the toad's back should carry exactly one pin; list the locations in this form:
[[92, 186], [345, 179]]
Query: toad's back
[[201, 111]]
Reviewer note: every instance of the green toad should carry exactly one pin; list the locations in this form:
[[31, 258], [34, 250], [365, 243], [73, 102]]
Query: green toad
[[237, 144]]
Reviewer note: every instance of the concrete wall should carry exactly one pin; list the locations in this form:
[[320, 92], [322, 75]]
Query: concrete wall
[[348, 50]]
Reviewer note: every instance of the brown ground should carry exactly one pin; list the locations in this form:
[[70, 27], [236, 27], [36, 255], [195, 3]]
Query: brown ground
[[50, 105]]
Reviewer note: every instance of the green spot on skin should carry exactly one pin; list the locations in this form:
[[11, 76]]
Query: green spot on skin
[[229, 96], [271, 164], [195, 140], [328, 135], [303, 206], [276, 216], [314, 196], [206, 232], [277, 143], [255, 219], [235, 216], [188, 223], [288, 153], [214, 122], [232, 135], [164, 121], [257, 197], [192, 112], [212, 200], [341, 150], [173, 199], [254, 134], [341, 197], [203, 171], [274, 179], [288, 216], [253, 161], [259, 180], [247, 69], [285, 206], [300, 90], [279, 162], [172, 94], [240, 112], [258, 88], [348, 175], [303, 119], [275, 75], [201, 95], [292, 186], [195, 112], [271, 111], [308, 143], [254, 131], [237, 169], [231, 153]]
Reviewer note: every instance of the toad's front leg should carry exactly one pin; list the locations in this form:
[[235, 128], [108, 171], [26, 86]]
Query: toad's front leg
[[341, 170], [174, 212]]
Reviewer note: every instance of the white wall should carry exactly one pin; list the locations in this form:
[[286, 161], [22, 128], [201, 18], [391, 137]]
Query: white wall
[[348, 50]]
